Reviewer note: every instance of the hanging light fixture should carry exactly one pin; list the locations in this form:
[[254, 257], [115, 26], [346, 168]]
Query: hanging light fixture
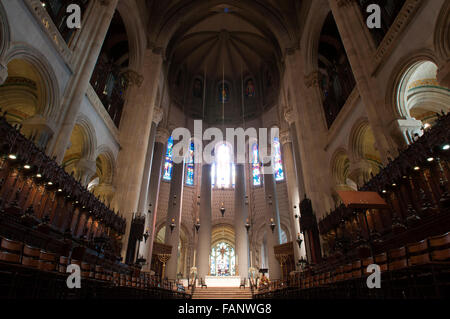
[[172, 225], [222, 209], [197, 225], [247, 225], [146, 235], [272, 225], [299, 240]]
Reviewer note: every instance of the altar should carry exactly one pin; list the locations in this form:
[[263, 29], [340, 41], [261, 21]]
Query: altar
[[223, 281]]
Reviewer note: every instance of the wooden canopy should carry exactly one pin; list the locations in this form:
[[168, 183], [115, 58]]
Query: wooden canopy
[[365, 200]]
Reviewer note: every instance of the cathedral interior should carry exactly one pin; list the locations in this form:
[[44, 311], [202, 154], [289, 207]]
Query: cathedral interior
[[91, 184]]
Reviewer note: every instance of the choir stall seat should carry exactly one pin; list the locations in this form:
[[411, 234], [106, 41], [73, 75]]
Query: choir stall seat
[[47, 261], [440, 248], [10, 250], [31, 256]]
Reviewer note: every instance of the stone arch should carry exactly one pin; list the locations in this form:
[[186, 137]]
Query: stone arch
[[5, 36], [365, 160], [408, 62], [79, 157], [89, 136], [105, 164], [340, 166], [311, 35], [442, 34], [137, 41], [50, 107]]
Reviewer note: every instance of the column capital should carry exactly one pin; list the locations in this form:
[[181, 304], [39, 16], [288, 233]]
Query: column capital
[[132, 78], [158, 114], [162, 135], [3, 73], [290, 115], [312, 79], [285, 137]]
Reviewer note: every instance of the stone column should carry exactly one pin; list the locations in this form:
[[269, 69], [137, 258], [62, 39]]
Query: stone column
[[352, 26], [240, 216], [142, 206], [81, 79], [162, 136], [3, 73], [174, 210], [311, 132], [135, 125], [272, 213], [204, 233], [443, 74], [292, 188]]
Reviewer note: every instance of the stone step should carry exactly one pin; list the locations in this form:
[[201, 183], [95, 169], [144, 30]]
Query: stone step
[[222, 293]]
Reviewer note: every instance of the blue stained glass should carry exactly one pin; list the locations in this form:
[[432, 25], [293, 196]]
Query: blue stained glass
[[256, 166], [277, 163], [168, 163], [190, 167]]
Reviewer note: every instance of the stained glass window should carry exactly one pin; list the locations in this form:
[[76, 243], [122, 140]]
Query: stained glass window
[[256, 166], [190, 167], [277, 163], [223, 170], [168, 163], [223, 260]]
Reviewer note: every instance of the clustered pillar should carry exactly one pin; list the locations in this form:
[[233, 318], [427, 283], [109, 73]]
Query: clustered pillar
[[240, 216], [204, 234]]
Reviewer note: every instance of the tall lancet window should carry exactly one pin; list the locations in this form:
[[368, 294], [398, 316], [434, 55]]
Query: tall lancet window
[[277, 163], [223, 170], [256, 166], [190, 167], [168, 163]]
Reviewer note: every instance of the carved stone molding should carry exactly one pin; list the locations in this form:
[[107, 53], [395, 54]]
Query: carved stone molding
[[158, 114], [392, 37], [41, 15], [162, 135], [285, 137], [101, 111], [290, 115], [312, 80], [132, 78]]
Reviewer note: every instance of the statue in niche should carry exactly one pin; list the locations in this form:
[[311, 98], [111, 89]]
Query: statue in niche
[[198, 88], [224, 93], [250, 89]]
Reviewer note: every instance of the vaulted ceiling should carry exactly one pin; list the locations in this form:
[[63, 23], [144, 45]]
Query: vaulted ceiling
[[228, 39]]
